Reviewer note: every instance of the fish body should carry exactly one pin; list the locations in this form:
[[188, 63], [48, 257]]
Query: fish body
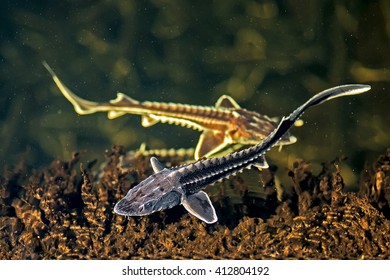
[[184, 184], [222, 126]]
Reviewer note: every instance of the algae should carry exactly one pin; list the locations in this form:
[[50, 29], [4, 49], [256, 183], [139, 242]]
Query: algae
[[63, 212]]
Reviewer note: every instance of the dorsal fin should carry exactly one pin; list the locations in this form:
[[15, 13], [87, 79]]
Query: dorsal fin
[[227, 102], [123, 100], [156, 165]]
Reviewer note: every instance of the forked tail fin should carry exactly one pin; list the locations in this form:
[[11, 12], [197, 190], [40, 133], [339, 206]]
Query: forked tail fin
[[286, 122], [81, 106], [329, 94]]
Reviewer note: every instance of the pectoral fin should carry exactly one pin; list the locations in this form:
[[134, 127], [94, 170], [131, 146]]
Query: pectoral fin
[[209, 143], [199, 205]]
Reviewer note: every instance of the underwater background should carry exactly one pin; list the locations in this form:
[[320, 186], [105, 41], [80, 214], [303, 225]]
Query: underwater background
[[270, 56]]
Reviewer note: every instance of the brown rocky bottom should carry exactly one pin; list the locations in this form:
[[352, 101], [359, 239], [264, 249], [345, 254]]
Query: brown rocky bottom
[[60, 212]]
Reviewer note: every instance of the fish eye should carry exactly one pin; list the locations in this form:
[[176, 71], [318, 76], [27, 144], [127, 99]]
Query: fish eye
[[148, 205]]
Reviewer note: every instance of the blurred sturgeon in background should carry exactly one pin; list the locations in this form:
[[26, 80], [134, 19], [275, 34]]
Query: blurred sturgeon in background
[[223, 126]]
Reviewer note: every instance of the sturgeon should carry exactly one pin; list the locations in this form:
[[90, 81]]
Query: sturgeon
[[184, 184]]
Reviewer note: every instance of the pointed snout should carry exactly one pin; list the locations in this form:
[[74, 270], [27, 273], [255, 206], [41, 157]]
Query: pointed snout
[[126, 208]]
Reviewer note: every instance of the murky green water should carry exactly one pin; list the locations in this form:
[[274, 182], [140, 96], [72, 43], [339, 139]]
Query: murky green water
[[269, 55]]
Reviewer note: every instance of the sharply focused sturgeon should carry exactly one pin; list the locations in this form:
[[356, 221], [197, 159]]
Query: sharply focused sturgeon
[[224, 125], [183, 184]]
